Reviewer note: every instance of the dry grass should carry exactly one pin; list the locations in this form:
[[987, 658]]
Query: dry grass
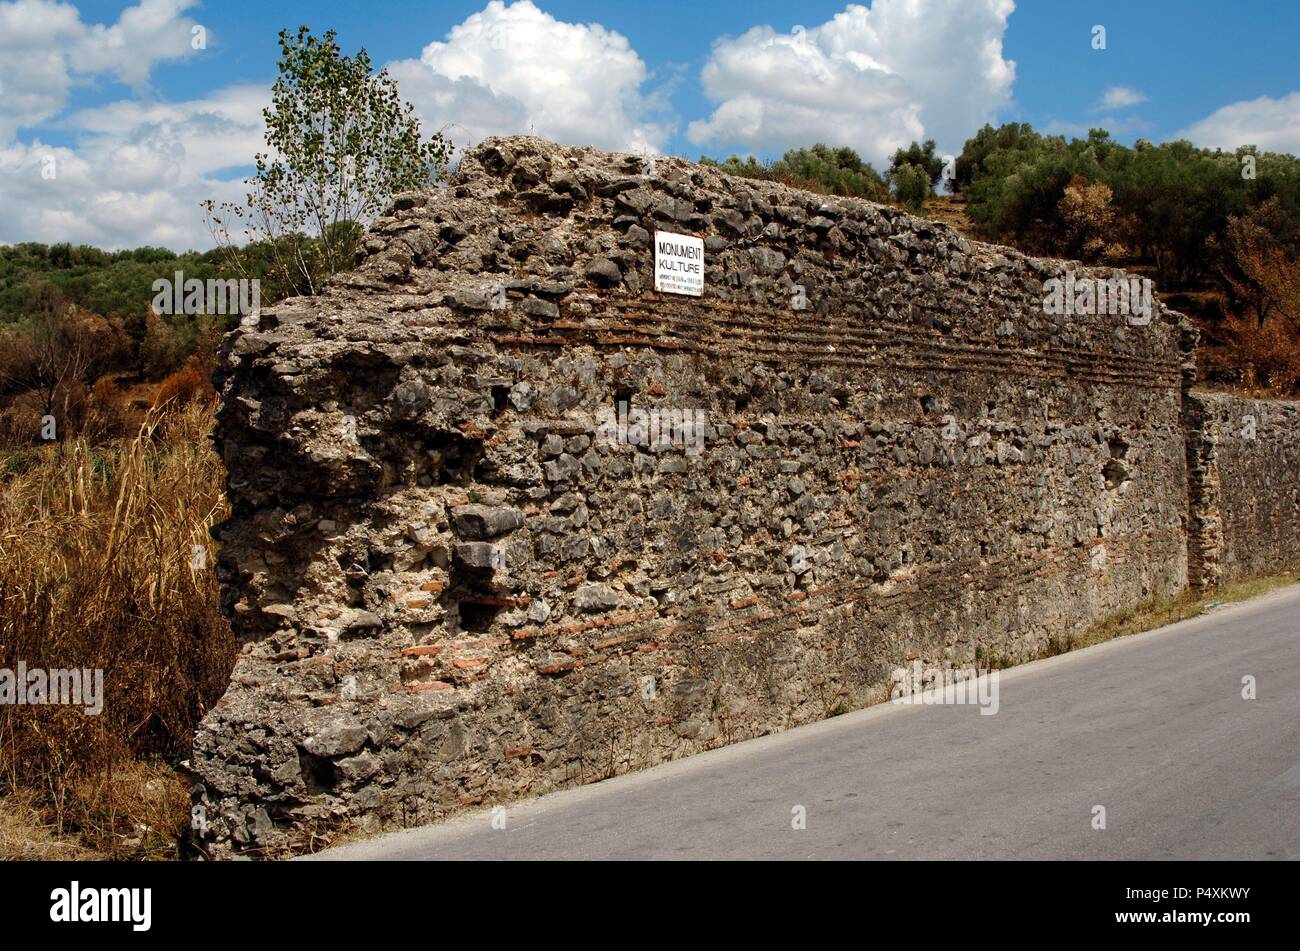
[[951, 210], [1135, 620], [97, 545], [1157, 613], [135, 811], [26, 834]]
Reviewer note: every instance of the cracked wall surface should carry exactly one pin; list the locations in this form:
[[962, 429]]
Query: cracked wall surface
[[456, 585]]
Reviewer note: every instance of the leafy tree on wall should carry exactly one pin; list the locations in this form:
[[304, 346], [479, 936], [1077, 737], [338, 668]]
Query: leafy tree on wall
[[341, 143]]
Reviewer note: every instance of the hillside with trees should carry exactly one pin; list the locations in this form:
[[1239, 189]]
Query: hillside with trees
[[1218, 231]]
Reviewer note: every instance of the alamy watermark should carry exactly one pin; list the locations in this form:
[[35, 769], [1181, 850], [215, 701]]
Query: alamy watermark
[[86, 904], [668, 427], [1130, 297], [177, 295], [945, 685], [39, 686]]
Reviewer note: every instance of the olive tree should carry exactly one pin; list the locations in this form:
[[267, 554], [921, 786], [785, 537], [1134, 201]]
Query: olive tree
[[911, 185]]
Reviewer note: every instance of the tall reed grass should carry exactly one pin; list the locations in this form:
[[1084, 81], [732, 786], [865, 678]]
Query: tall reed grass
[[106, 563]]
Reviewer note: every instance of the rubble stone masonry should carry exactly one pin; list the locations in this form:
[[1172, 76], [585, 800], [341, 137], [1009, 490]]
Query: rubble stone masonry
[[1244, 460], [457, 582]]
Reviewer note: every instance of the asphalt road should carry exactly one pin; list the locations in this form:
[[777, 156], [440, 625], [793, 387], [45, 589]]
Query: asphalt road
[[1152, 727]]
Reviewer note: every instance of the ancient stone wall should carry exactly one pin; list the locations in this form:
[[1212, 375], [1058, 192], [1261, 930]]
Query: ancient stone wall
[[458, 580], [1244, 465]]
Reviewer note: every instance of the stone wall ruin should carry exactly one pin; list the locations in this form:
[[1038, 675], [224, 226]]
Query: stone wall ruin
[[1244, 461], [457, 583]]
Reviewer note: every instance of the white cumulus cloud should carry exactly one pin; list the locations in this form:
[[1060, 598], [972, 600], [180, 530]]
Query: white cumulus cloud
[[1120, 97], [136, 174], [45, 49], [874, 78], [1271, 124], [136, 169], [516, 69]]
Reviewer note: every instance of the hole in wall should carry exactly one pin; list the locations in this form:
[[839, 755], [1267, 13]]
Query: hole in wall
[[452, 459], [500, 399], [318, 773], [1115, 473], [477, 618]]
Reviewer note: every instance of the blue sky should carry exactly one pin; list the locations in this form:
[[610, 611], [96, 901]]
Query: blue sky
[[113, 126]]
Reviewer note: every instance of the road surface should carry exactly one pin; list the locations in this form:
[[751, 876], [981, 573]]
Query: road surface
[[1153, 728]]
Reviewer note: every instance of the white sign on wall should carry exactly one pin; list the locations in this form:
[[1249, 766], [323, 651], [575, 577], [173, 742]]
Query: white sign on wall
[[679, 263]]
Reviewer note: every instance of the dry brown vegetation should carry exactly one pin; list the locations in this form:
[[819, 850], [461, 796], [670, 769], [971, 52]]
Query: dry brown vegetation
[[98, 569], [1163, 611], [1090, 223], [1250, 334], [1265, 280]]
